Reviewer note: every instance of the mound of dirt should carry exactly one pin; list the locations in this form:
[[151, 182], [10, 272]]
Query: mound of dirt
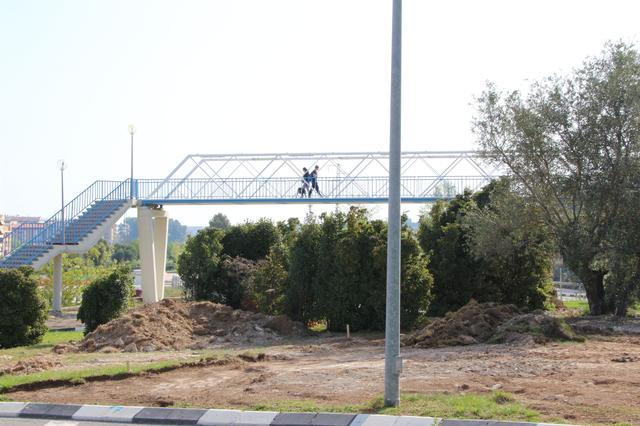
[[537, 326], [179, 325], [489, 322], [33, 365]]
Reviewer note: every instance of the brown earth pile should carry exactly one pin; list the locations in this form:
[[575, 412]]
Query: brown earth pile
[[179, 325], [538, 326], [489, 322], [33, 365]]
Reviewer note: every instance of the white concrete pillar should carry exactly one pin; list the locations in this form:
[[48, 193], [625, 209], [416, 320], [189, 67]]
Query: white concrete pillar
[[160, 234], [57, 283], [152, 236]]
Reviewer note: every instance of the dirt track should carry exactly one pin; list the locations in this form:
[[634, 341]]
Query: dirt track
[[575, 381]]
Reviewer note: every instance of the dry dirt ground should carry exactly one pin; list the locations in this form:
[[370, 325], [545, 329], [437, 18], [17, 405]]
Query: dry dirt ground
[[593, 382]]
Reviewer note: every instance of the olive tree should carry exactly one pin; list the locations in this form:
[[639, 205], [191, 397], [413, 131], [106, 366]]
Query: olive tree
[[571, 145]]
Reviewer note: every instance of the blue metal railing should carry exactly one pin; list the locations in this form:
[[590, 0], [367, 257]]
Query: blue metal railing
[[338, 188], [72, 223], [102, 198], [19, 235]]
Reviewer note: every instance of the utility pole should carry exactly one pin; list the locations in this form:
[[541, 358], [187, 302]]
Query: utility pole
[[132, 131], [62, 167], [57, 260], [392, 360]]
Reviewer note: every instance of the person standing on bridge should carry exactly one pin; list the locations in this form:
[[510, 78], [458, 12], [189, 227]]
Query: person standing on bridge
[[306, 183], [314, 181]]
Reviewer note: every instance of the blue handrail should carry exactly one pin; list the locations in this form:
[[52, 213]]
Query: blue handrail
[[370, 187], [52, 228]]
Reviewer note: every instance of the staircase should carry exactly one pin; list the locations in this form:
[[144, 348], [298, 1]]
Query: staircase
[[74, 229]]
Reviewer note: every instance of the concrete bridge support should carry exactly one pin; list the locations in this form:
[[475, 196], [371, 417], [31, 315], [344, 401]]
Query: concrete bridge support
[[153, 225], [57, 284]]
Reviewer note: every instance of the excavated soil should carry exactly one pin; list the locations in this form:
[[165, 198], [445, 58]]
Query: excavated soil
[[597, 381], [591, 382], [176, 325], [490, 323], [32, 365]]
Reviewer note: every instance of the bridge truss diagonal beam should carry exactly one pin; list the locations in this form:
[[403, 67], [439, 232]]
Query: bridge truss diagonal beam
[[277, 177]]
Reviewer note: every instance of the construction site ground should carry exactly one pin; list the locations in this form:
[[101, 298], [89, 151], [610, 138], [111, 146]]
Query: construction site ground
[[595, 382]]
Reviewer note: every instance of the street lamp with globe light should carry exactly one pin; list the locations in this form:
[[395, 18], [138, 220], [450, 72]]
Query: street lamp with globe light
[[62, 166], [132, 131]]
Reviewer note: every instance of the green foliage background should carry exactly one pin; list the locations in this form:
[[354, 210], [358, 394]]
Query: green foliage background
[[106, 298], [23, 311]]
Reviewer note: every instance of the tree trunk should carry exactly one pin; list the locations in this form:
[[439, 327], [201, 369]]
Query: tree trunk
[[622, 303], [593, 282]]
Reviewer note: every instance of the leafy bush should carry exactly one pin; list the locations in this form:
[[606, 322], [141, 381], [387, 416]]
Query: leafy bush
[[77, 273], [250, 240], [235, 277], [270, 281], [490, 246], [23, 311], [208, 274], [199, 264], [106, 298], [338, 273]]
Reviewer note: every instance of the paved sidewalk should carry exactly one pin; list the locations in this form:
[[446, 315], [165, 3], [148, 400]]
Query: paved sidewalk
[[20, 413]]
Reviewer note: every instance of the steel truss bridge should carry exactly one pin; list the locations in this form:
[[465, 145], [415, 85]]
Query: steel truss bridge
[[353, 177], [348, 177]]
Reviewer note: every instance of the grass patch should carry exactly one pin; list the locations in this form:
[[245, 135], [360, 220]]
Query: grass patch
[[80, 376], [496, 406], [49, 340], [305, 406], [121, 370], [634, 310], [581, 306], [174, 292]]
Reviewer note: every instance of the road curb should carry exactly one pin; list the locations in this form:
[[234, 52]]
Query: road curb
[[213, 417]]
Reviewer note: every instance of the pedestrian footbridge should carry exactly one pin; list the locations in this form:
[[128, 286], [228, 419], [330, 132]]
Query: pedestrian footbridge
[[344, 178]]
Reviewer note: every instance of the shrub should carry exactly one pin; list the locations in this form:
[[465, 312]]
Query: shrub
[[106, 298], [198, 264], [235, 277], [337, 273], [490, 246], [23, 311], [250, 240], [270, 281]]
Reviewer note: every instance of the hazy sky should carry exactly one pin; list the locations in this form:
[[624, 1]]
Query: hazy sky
[[254, 76]]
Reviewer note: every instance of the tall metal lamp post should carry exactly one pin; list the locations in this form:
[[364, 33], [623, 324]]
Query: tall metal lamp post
[[57, 260], [62, 166], [392, 360], [132, 131]]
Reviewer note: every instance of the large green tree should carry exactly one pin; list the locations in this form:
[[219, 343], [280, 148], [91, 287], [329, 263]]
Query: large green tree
[[299, 297], [514, 246], [490, 246], [220, 221], [23, 312], [199, 264], [456, 271], [338, 272], [571, 145], [250, 240]]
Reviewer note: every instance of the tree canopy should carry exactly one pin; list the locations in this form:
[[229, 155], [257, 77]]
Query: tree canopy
[[571, 146]]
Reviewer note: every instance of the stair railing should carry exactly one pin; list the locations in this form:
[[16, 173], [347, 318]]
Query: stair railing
[[53, 228], [77, 232]]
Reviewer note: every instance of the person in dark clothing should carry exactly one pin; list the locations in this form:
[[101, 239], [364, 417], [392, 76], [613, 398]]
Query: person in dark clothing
[[314, 181], [306, 183]]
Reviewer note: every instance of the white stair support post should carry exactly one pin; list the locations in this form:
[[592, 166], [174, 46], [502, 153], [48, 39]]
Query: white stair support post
[[147, 255], [57, 283], [160, 234]]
